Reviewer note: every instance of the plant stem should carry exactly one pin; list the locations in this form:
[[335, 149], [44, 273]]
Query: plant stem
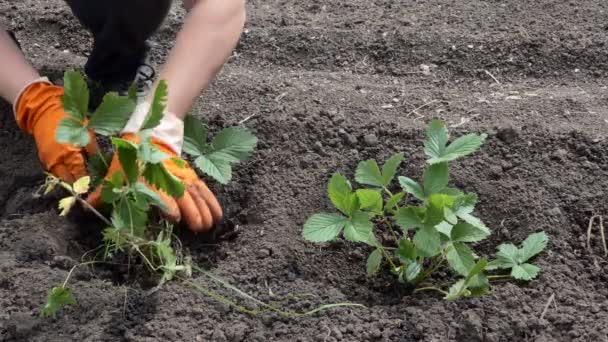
[[500, 276], [430, 288], [67, 278], [103, 159], [388, 257], [436, 264], [390, 227], [93, 210]]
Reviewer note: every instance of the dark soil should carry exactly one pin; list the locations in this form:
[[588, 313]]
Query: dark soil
[[320, 76]]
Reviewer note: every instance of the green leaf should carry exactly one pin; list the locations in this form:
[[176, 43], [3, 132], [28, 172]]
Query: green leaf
[[157, 175], [341, 194], [233, 144], [393, 201], [479, 285], [435, 208], [412, 271], [436, 139], [98, 167], [370, 200], [406, 251], [412, 187], [71, 131], [525, 272], [369, 173], [149, 153], [477, 269], [533, 244], [75, 98], [56, 300], [506, 257], [460, 147], [195, 136], [449, 216], [373, 262], [436, 179], [112, 114], [465, 204], [323, 227], [127, 155], [217, 169], [454, 192], [390, 168], [476, 222], [456, 290], [135, 217], [110, 191], [444, 228], [427, 241], [409, 217], [360, 229], [460, 257], [465, 232], [151, 196], [157, 108]]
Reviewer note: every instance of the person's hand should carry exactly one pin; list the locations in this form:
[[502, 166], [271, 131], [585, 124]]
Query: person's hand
[[38, 111], [198, 207]]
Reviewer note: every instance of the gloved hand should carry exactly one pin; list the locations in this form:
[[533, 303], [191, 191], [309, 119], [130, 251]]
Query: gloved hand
[[38, 111], [198, 207]]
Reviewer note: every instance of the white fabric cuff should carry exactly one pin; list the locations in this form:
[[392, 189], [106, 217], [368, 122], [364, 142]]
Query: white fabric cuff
[[170, 130], [20, 93]]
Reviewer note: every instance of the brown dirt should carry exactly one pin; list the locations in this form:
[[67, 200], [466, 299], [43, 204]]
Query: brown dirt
[[326, 72]]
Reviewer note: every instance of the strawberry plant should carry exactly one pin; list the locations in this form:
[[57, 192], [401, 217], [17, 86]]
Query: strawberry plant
[[132, 228], [428, 224]]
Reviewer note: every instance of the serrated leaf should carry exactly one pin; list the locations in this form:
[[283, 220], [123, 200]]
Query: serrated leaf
[[449, 216], [477, 269], [81, 186], [75, 98], [393, 201], [412, 271], [157, 107], [436, 139], [108, 193], [373, 262], [427, 241], [360, 229], [150, 153], [456, 290], [127, 155], [195, 136], [412, 187], [406, 251], [436, 179], [71, 131], [479, 285], [409, 217], [370, 200], [66, 204], [460, 257], [323, 227], [525, 272], [368, 173], [506, 257], [217, 169], [233, 144], [454, 192], [465, 204], [135, 217], [435, 205], [390, 168], [151, 196], [474, 221], [444, 228], [341, 195], [56, 300], [465, 232], [98, 165], [157, 175], [533, 244], [460, 147], [112, 114]]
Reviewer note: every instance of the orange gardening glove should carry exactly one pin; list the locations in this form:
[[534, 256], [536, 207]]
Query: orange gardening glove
[[198, 206], [38, 111]]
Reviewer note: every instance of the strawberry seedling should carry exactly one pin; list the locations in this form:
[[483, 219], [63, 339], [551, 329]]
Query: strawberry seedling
[[426, 232]]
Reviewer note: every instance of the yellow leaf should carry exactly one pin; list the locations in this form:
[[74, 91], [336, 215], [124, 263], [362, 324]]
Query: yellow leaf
[[81, 186], [66, 204]]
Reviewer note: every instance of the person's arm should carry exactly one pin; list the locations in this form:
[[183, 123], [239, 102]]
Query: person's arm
[[210, 32], [15, 72]]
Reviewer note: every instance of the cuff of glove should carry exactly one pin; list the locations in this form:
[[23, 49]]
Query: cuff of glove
[[170, 130], [24, 89]]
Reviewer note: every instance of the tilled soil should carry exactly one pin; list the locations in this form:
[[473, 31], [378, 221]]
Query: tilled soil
[[329, 83]]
